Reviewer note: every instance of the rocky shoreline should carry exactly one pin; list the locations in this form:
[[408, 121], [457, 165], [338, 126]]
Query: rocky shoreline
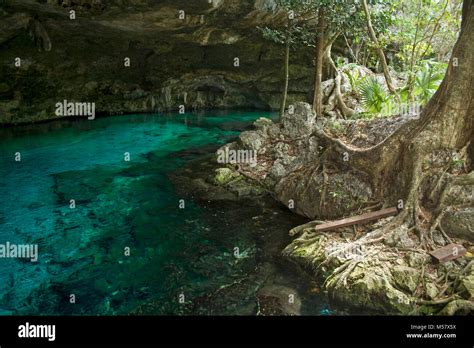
[[273, 285], [388, 276]]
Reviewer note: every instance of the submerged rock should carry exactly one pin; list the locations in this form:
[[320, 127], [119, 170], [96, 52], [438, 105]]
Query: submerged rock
[[367, 283], [278, 300]]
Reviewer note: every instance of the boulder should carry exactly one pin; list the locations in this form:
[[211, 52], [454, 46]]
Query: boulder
[[369, 285], [460, 224], [251, 140], [299, 123], [458, 307], [223, 176], [466, 285], [278, 300], [406, 278]]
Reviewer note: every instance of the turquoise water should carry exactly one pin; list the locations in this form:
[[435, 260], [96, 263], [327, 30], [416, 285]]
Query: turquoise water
[[177, 256]]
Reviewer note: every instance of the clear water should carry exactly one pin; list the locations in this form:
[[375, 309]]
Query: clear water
[[130, 204]]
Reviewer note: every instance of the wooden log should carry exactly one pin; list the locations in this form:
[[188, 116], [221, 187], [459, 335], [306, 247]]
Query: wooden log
[[448, 253], [359, 219]]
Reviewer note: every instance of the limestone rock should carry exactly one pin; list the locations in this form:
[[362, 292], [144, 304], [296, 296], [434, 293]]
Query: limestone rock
[[262, 124], [406, 278], [466, 286], [300, 123], [278, 300], [251, 140], [152, 36], [278, 170], [342, 192], [400, 238], [369, 285], [458, 307], [460, 224], [223, 176]]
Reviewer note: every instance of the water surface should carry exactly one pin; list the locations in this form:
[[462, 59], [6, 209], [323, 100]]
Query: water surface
[[181, 260]]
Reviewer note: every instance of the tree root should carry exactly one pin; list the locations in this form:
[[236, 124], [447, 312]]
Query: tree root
[[298, 229], [438, 302], [341, 273], [345, 110]]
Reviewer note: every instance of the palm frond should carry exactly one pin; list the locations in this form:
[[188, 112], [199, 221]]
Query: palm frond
[[373, 94]]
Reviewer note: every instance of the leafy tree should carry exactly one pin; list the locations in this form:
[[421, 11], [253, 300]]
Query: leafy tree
[[336, 18], [423, 29], [427, 80], [378, 47]]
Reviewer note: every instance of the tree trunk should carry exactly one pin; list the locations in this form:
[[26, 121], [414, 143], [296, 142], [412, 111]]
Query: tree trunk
[[447, 122], [400, 167], [411, 69], [287, 77], [409, 166], [378, 49], [318, 93], [341, 105]]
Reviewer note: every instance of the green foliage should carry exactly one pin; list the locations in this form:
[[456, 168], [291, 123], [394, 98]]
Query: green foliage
[[340, 62], [423, 29], [340, 17], [335, 126], [347, 17], [458, 163], [427, 80], [296, 31], [428, 77], [373, 95], [354, 77]]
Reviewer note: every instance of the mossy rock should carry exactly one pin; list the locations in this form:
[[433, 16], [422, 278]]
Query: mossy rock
[[466, 286], [406, 278], [224, 176], [458, 307], [371, 288]]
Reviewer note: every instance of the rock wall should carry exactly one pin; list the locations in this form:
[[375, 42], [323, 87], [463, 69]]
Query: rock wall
[[176, 58]]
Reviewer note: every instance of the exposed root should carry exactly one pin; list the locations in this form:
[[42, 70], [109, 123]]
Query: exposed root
[[345, 110], [438, 302], [341, 273], [298, 229]]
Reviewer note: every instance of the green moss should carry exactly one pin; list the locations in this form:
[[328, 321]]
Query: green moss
[[224, 176]]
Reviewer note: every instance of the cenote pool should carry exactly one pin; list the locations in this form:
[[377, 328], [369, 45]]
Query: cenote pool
[[181, 261]]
